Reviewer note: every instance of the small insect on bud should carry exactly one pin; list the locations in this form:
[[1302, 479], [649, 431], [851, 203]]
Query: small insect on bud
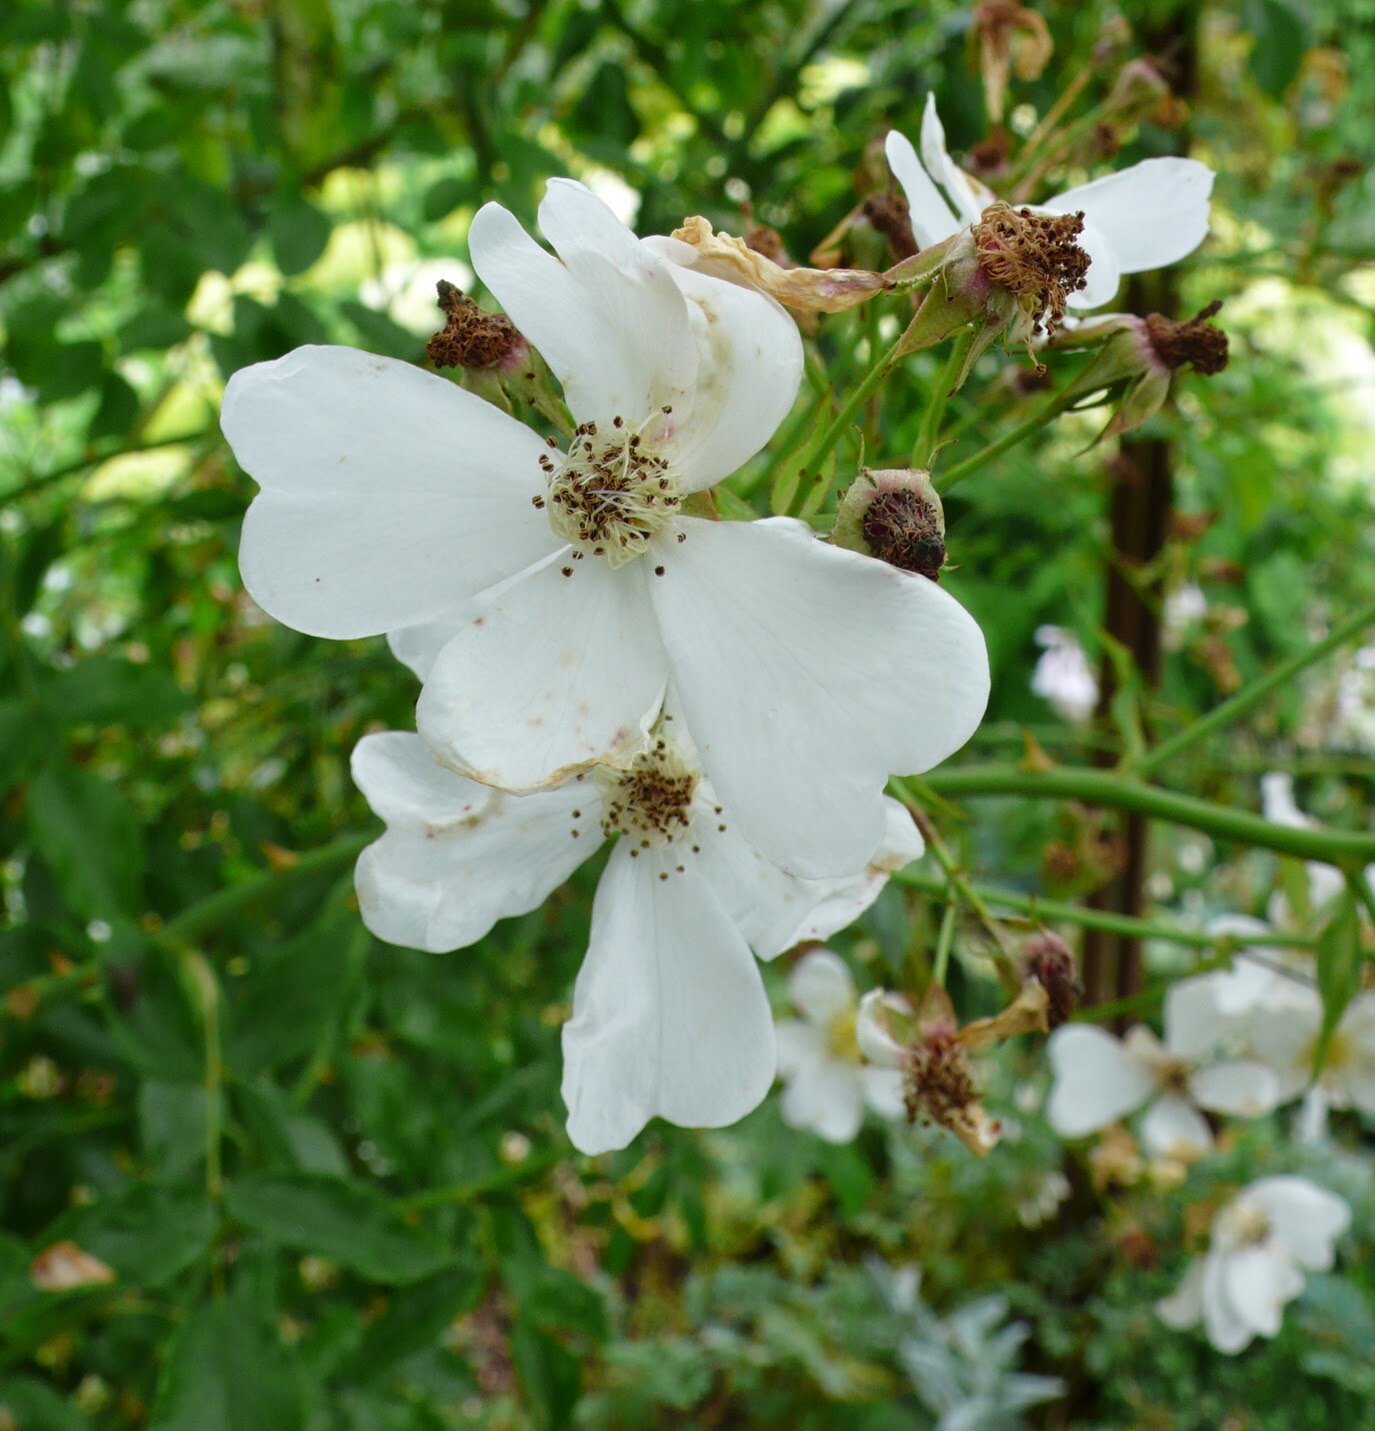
[[471, 337], [894, 514], [1047, 959]]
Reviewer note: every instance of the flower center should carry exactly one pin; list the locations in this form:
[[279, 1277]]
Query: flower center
[[1197, 341], [842, 1037], [1174, 1075], [1035, 257], [904, 530], [1244, 1225], [651, 803], [612, 494]]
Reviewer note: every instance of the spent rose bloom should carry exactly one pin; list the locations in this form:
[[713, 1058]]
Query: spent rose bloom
[[828, 1083], [1263, 1242], [670, 1016], [1141, 218], [1099, 1078], [572, 584]]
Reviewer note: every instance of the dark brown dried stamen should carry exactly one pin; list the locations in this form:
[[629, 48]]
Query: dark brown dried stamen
[[1197, 342], [939, 1084], [890, 216], [471, 337], [1047, 959], [1035, 257], [905, 531]]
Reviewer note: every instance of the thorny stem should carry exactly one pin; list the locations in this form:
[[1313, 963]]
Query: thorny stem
[[1044, 414], [1237, 706], [928, 439], [1106, 787], [813, 460], [1035, 910], [959, 883]]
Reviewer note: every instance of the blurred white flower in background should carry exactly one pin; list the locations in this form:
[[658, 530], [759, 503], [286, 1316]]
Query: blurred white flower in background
[[1263, 1242], [1100, 1078], [827, 1080], [1063, 675]]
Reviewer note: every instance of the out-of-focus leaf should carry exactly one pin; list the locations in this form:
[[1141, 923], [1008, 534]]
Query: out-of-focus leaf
[[345, 1220], [299, 232], [104, 690], [1339, 968], [414, 1320], [172, 1119], [226, 1372], [549, 1372], [90, 839], [147, 1235]]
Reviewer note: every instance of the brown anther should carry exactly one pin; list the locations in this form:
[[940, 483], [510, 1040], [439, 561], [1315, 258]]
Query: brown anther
[[1047, 959], [905, 531], [470, 337], [1196, 341], [1035, 257], [658, 571]]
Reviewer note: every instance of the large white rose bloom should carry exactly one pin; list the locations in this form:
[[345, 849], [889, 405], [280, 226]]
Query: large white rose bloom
[[393, 499], [1099, 1078], [1263, 1242], [1141, 218], [827, 1081], [670, 1016]]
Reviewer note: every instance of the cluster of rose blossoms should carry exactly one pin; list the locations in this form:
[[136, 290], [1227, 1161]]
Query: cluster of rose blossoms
[[601, 657]]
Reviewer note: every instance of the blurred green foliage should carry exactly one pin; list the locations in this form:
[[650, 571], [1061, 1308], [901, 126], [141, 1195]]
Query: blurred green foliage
[[329, 1177]]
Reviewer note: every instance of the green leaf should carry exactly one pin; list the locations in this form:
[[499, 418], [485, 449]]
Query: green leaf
[[443, 197], [89, 839], [1339, 969], [104, 690], [172, 1120], [20, 746], [299, 232], [347, 1221], [117, 410], [549, 1372], [1281, 38], [25, 1404], [146, 1235], [416, 1319], [226, 1372]]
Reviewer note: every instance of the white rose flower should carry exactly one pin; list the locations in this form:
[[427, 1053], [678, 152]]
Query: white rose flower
[[670, 1016], [1285, 1036], [1142, 218], [1099, 1078], [574, 584], [1063, 675], [819, 1057], [1262, 1243]]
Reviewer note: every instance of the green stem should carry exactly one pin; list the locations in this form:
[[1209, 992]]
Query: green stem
[[1104, 787], [532, 1168], [1053, 911], [1359, 886], [928, 438], [1237, 705], [944, 940], [93, 459], [225, 903], [1044, 414], [818, 454]]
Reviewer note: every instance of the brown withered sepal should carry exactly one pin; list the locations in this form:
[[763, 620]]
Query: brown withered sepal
[[471, 337]]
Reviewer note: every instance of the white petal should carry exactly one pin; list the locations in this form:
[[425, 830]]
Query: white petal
[[1259, 1281], [553, 674], [1305, 1218], [748, 371], [609, 319], [418, 647], [1096, 1081], [820, 987], [1104, 275], [1172, 1128], [1278, 803], [670, 1017], [389, 495], [799, 1045], [1241, 1088], [1283, 1038], [1192, 1025], [932, 218], [1151, 214], [826, 1098], [809, 674], [874, 1028], [967, 200], [1227, 1328], [457, 856], [883, 1092], [776, 910], [1183, 1308]]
